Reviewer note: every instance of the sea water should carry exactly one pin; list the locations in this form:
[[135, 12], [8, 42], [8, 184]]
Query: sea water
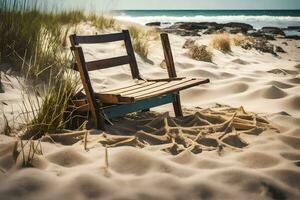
[[257, 18]]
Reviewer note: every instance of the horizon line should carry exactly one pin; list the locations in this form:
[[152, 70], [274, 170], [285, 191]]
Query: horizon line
[[206, 9]]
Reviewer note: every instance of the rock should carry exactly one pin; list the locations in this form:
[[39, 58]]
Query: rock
[[272, 30], [293, 28], [211, 27], [182, 32], [243, 27], [189, 43], [261, 35], [154, 24], [285, 43], [260, 44], [294, 37], [279, 49], [190, 26]]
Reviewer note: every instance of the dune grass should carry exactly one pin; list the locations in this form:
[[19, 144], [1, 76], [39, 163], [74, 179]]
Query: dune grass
[[31, 43], [240, 39], [47, 113], [200, 53], [140, 40], [31, 38], [102, 22], [221, 42]]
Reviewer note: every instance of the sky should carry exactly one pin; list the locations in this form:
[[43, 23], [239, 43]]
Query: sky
[[180, 4], [208, 4]]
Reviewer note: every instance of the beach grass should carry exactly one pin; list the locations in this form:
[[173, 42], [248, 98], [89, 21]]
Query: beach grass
[[200, 53], [221, 42], [33, 44], [47, 112], [241, 39], [102, 22], [140, 40]]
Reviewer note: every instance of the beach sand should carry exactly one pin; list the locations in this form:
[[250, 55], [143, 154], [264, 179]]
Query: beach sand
[[259, 162]]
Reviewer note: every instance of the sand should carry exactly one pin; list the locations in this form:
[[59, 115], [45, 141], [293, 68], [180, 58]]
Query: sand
[[260, 162]]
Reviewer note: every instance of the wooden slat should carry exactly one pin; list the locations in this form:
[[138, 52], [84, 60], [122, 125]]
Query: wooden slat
[[138, 85], [107, 63], [166, 79], [90, 39], [145, 88], [154, 87], [174, 88]]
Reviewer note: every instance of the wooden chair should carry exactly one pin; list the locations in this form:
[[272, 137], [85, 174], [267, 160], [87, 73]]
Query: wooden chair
[[142, 95]]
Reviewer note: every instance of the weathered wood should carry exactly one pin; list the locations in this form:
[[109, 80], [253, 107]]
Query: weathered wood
[[97, 117], [166, 79], [171, 70], [121, 110], [140, 96], [91, 39], [171, 89], [107, 63], [113, 99], [138, 85], [129, 49], [155, 85]]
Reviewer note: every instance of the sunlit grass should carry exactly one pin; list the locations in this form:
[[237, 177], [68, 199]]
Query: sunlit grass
[[140, 40], [221, 42], [200, 53], [102, 22]]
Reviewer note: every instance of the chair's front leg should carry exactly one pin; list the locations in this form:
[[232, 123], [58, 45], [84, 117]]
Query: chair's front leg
[[171, 71]]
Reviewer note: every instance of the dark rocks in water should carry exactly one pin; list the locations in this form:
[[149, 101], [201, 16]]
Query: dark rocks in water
[[261, 35], [210, 30], [272, 30], [293, 28], [154, 24], [213, 27], [182, 32], [294, 37], [192, 25], [242, 26], [279, 49], [189, 43]]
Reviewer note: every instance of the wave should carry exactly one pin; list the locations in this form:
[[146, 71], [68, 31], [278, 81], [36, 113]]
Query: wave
[[256, 21]]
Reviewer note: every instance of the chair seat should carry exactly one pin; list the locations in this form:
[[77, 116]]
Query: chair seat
[[144, 89]]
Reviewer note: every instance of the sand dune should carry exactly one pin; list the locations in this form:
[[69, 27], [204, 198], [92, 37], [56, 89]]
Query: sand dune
[[254, 156]]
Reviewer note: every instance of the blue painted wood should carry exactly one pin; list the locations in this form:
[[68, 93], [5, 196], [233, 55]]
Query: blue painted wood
[[121, 110]]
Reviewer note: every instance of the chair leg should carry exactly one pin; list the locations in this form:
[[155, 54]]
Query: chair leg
[[171, 71], [99, 122], [177, 106]]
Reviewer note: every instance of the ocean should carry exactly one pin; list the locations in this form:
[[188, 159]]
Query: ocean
[[257, 18]]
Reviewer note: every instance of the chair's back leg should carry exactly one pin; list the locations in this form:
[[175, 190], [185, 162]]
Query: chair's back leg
[[98, 120], [171, 71]]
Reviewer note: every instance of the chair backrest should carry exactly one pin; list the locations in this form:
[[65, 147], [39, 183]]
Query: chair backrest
[[105, 63]]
